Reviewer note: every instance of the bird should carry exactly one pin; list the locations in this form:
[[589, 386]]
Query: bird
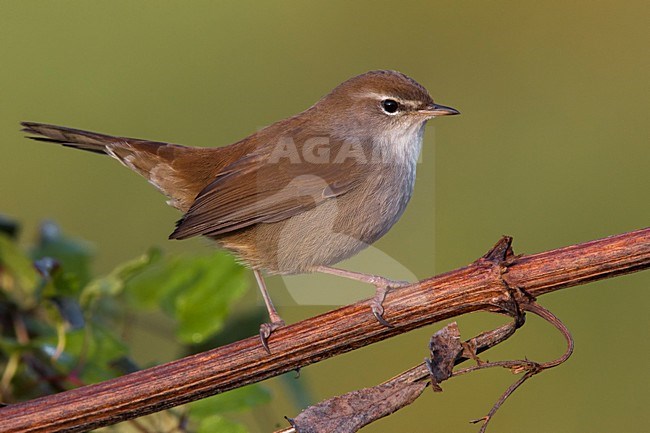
[[299, 195]]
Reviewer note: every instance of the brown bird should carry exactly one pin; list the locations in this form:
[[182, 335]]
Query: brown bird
[[299, 195]]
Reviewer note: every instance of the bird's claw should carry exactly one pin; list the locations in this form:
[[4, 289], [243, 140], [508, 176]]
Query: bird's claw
[[383, 287], [265, 332], [378, 312]]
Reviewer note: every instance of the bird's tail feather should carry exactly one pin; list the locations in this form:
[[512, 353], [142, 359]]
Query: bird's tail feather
[[179, 172], [70, 137]]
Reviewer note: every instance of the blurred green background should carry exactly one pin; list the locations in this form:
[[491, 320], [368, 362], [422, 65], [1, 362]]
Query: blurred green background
[[552, 148]]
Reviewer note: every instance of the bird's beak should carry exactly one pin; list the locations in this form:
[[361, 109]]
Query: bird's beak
[[435, 110]]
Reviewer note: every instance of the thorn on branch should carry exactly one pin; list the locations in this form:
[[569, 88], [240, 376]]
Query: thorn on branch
[[501, 251]]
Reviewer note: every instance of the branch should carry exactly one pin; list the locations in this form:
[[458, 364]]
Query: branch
[[349, 412], [484, 285]]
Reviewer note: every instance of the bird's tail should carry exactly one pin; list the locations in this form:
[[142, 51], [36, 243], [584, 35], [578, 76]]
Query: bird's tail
[[169, 167], [76, 138]]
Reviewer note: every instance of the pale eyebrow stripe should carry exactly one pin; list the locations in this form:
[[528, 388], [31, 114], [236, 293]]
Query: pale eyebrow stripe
[[380, 96]]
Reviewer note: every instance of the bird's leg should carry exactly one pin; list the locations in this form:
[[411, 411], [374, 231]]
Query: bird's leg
[[267, 328], [382, 286]]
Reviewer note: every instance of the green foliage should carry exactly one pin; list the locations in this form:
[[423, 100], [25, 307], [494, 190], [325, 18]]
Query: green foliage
[[62, 327], [217, 423], [19, 277], [210, 411], [236, 400], [197, 291]]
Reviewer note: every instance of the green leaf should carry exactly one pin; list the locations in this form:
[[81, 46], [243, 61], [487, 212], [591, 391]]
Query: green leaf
[[9, 345], [109, 285], [158, 284], [18, 277], [97, 347], [219, 424], [196, 290], [63, 284], [133, 267], [236, 400], [209, 411], [73, 255], [203, 306], [113, 284]]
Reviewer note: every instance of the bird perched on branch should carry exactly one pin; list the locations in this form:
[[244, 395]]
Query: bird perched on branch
[[299, 195]]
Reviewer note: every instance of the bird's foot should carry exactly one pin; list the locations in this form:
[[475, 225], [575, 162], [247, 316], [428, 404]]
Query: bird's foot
[[265, 332], [383, 286]]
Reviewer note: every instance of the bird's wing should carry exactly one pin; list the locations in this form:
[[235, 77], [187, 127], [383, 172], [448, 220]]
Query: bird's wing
[[261, 188]]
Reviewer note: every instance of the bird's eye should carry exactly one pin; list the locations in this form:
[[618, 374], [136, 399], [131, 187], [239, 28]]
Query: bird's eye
[[390, 106]]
